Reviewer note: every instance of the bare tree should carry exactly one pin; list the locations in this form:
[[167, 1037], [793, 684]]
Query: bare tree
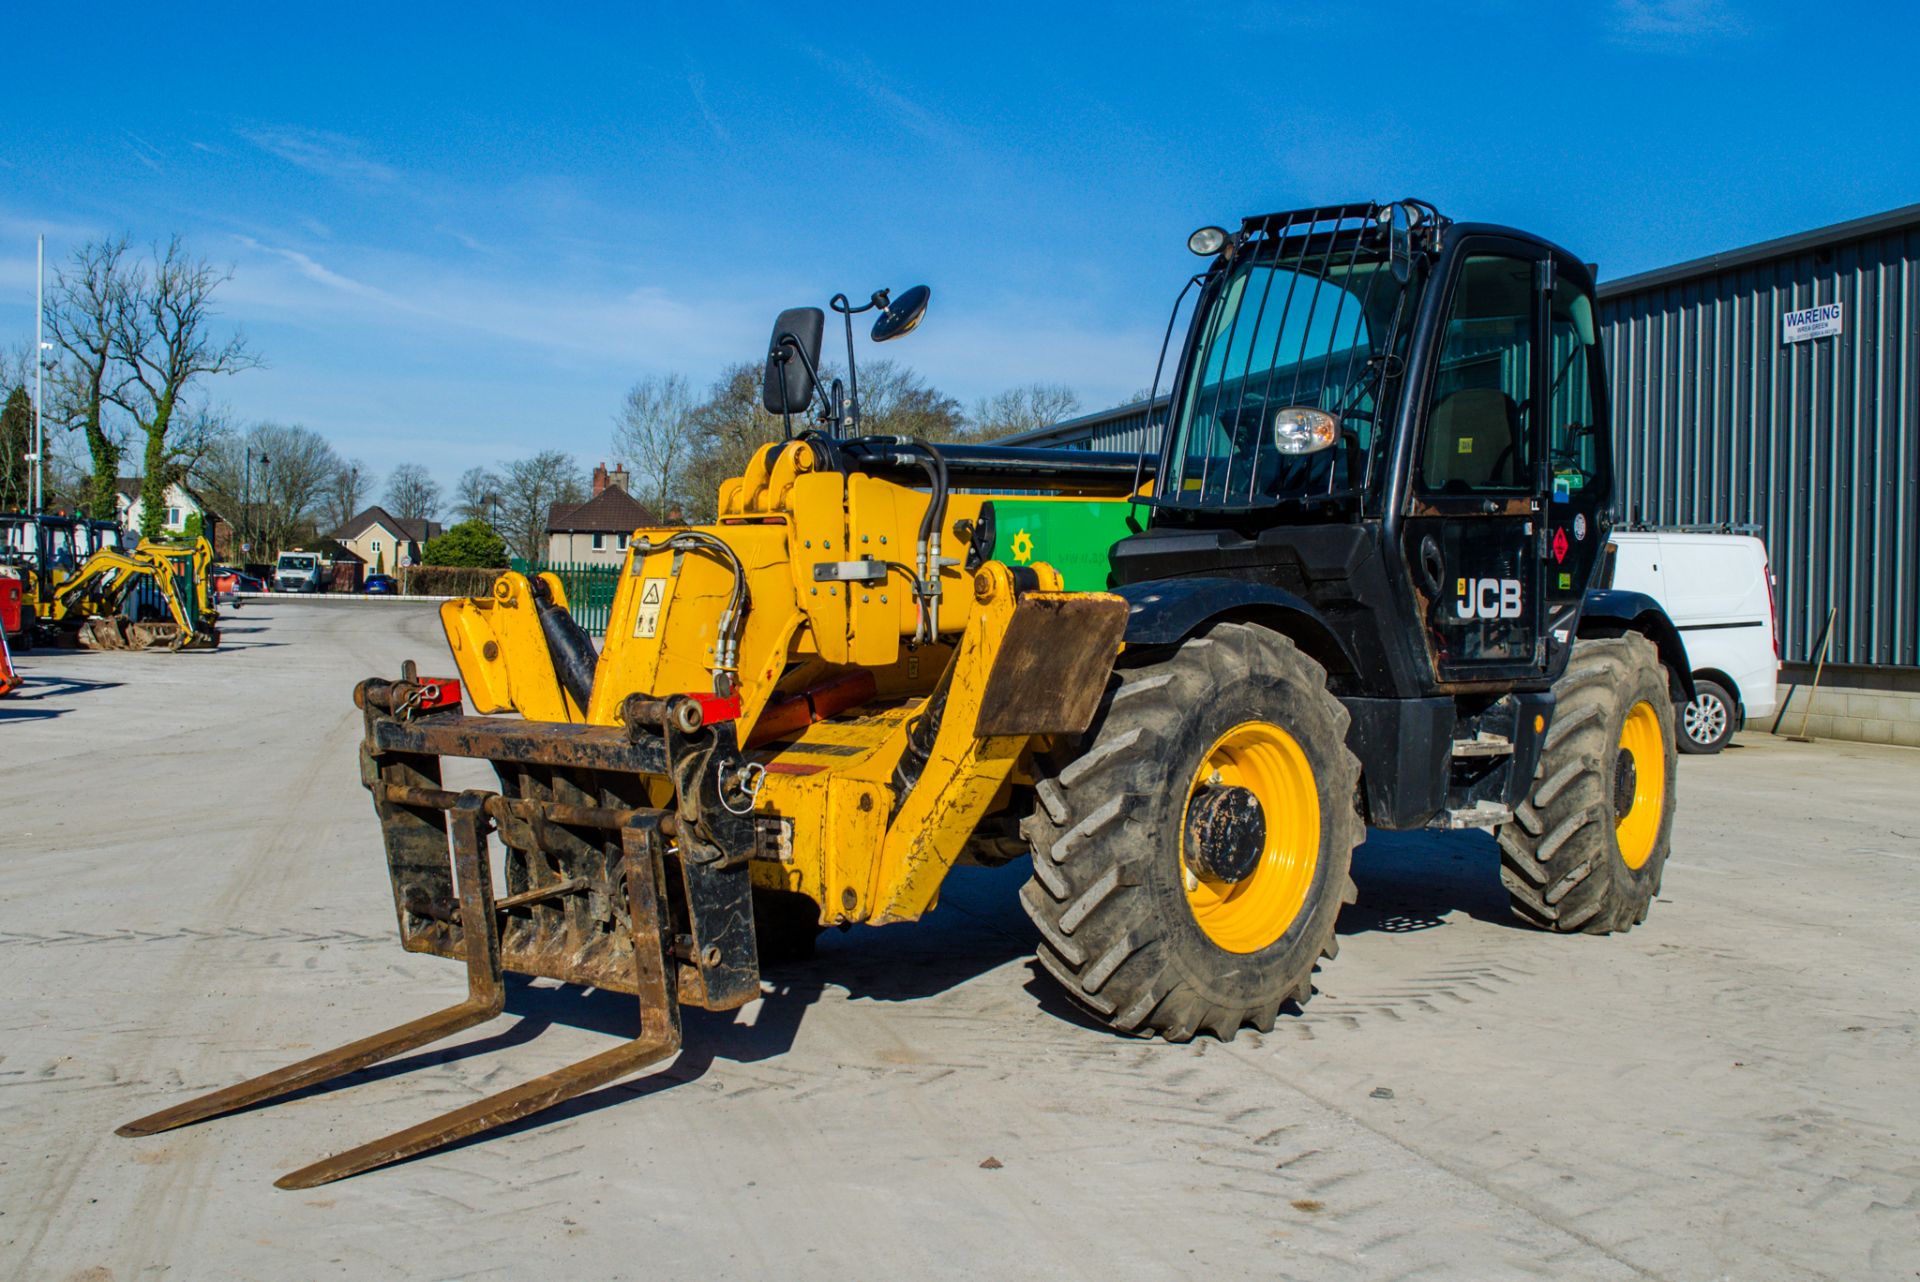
[[1021, 409], [282, 502], [412, 493], [164, 340], [528, 490], [475, 494], [345, 490], [656, 433], [729, 426], [896, 401], [87, 310]]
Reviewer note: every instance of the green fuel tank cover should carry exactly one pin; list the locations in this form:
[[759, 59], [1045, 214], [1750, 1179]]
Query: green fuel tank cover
[[1071, 535]]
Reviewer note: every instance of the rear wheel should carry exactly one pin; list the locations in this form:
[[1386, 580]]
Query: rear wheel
[[1190, 861], [1586, 849], [1707, 723]]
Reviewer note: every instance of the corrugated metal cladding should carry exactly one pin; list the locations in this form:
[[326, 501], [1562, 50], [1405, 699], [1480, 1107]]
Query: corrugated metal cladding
[[1717, 418], [1135, 428]]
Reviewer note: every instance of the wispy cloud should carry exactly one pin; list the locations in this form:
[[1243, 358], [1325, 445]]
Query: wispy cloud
[[697, 86], [865, 78], [319, 273], [330, 155], [143, 151], [1673, 24]]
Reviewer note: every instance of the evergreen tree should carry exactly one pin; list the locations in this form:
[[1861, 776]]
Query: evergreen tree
[[16, 441]]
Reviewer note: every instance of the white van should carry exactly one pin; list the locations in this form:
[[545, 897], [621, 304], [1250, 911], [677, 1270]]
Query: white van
[[1718, 590], [298, 572]]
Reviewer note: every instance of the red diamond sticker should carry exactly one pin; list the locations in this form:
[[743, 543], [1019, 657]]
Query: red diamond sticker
[[1559, 546]]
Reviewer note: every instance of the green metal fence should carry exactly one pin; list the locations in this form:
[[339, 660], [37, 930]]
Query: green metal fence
[[590, 589]]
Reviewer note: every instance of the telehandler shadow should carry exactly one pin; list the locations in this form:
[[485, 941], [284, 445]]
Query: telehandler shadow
[[978, 927], [1411, 881]]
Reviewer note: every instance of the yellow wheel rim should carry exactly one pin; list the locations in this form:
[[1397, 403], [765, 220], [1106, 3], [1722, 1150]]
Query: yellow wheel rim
[[1245, 916], [1636, 828]]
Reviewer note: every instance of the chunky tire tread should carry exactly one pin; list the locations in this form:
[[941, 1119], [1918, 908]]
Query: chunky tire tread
[[1559, 859], [1115, 930]]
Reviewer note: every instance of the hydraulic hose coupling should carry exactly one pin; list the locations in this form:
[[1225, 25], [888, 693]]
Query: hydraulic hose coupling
[[676, 711]]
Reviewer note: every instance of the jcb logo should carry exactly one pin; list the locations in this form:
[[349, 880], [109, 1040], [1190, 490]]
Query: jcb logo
[[1488, 599]]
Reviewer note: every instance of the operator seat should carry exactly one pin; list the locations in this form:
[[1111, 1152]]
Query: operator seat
[[1473, 442]]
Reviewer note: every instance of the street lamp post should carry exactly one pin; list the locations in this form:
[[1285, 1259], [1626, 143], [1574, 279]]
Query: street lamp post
[[40, 346], [251, 518]]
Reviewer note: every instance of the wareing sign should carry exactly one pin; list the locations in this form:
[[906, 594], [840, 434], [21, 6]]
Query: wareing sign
[[1810, 323]]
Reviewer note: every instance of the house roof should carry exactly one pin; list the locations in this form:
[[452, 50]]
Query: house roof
[[611, 511], [416, 531]]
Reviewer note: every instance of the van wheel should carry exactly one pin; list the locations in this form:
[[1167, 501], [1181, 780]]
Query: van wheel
[[1707, 724]]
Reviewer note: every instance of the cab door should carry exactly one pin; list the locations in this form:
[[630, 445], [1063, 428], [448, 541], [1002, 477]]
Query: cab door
[[1472, 524]]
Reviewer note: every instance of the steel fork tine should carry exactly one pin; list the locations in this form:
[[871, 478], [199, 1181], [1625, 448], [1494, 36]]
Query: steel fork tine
[[486, 995], [659, 998]]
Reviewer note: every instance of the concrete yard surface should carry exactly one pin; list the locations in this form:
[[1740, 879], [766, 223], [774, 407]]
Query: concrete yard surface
[[194, 892]]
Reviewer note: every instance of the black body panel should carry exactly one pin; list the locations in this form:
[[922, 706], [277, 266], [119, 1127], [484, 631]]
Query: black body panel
[[1613, 611]]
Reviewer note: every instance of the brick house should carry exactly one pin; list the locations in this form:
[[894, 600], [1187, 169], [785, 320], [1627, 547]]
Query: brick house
[[596, 532]]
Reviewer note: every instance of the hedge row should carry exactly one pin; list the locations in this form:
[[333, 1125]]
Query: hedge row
[[447, 580]]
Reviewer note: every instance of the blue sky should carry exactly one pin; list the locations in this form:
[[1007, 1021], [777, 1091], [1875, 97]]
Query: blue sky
[[458, 234]]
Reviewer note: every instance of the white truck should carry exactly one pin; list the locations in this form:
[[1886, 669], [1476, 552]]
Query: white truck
[[298, 571], [1718, 589]]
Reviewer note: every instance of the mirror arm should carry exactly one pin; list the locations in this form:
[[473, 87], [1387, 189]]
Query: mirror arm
[[788, 343], [842, 304]]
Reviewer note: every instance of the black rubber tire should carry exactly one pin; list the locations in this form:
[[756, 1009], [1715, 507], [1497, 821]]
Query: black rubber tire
[[1705, 690], [1107, 893], [1559, 858]]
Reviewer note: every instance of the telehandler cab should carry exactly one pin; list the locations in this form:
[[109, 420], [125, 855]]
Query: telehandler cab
[[1352, 589]]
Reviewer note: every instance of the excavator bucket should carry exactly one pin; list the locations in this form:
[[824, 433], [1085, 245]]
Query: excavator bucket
[[625, 868]]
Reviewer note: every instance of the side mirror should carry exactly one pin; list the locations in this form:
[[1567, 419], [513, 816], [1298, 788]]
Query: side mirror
[[793, 360], [902, 314]]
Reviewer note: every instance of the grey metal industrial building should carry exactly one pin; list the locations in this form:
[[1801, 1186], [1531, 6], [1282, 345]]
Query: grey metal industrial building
[[1775, 386]]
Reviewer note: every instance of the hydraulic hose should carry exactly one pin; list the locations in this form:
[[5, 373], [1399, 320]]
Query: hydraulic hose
[[927, 546], [726, 651], [574, 658]]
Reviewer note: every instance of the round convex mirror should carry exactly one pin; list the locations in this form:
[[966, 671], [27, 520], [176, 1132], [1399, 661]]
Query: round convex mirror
[[902, 314]]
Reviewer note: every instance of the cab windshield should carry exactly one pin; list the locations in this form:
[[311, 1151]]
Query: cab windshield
[[1302, 322], [298, 562]]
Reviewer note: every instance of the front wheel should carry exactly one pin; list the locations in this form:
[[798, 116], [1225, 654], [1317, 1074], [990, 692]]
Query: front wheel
[[1190, 861], [1586, 849]]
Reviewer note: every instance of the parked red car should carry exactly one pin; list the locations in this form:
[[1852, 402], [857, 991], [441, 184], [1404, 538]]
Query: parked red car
[[229, 581]]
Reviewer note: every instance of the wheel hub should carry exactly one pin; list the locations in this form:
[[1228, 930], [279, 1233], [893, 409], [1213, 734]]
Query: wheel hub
[[1626, 782], [1226, 832]]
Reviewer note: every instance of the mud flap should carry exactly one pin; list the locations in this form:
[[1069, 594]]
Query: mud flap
[[1053, 664]]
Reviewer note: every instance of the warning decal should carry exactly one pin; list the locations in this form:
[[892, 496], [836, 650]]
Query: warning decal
[[653, 595]]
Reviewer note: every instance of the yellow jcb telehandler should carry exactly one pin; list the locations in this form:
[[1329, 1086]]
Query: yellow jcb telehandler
[[1357, 586]]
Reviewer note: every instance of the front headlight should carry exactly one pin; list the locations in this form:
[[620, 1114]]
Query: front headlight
[[1301, 429]]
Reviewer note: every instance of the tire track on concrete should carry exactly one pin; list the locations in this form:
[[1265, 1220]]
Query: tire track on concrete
[[164, 1205]]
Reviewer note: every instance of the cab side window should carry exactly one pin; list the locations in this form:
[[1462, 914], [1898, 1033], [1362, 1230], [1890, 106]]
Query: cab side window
[[1573, 427], [1479, 421]]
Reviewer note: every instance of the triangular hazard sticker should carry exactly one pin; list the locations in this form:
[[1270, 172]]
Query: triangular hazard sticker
[[651, 596]]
